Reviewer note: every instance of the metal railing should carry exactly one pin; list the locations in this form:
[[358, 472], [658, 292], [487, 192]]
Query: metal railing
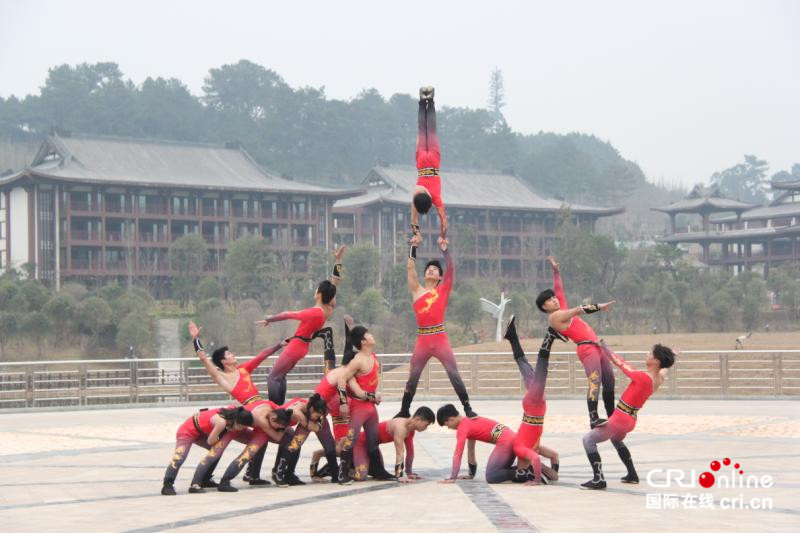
[[704, 373]]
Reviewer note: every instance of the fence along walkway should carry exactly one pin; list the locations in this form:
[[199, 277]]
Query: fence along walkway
[[712, 373]]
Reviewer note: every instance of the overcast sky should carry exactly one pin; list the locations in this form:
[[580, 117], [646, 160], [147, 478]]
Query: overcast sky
[[684, 88]]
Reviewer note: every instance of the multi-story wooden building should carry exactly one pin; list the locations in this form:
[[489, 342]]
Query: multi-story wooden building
[[499, 227], [89, 207], [738, 236]]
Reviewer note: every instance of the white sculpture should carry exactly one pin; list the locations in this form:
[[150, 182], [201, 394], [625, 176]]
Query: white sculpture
[[496, 310]]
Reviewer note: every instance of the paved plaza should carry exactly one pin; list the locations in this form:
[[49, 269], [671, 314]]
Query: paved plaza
[[101, 470]]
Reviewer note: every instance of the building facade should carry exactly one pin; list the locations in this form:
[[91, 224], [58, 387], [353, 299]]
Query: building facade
[[738, 236], [89, 207], [498, 227]]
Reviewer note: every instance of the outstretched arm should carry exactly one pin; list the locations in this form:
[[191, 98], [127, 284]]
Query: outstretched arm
[[558, 286], [212, 370], [399, 456], [617, 359], [289, 315]]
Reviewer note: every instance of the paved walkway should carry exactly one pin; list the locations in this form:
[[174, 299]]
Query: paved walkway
[[102, 470]]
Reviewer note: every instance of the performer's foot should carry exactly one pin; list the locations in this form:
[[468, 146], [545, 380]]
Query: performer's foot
[[511, 329], [279, 478], [469, 413], [168, 489], [209, 484], [426, 93], [198, 489], [348, 323], [325, 471], [258, 482], [633, 479], [225, 486], [326, 334], [557, 334], [597, 422], [404, 413], [294, 481], [594, 484]]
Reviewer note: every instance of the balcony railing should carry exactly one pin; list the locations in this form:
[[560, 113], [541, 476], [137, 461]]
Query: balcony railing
[[86, 264], [85, 235]]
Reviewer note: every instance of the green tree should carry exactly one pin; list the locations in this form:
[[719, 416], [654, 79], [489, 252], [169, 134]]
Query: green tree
[[466, 307], [61, 311], [369, 306], [134, 330], [666, 303], [248, 314], [695, 311], [721, 307], [94, 315], [361, 267], [36, 327], [250, 269], [208, 288], [8, 327], [36, 295], [211, 317], [746, 181], [188, 255]]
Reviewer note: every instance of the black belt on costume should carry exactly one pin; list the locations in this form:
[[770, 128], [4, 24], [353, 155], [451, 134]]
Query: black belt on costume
[[627, 409], [339, 420], [533, 420], [427, 172], [304, 339], [588, 342], [196, 420]]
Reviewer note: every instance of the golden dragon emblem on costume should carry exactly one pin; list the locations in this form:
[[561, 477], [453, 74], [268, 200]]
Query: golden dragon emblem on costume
[[430, 300]]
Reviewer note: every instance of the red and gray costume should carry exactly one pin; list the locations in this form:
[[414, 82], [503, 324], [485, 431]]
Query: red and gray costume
[[311, 320], [499, 466], [622, 421], [361, 458], [432, 340], [598, 369]]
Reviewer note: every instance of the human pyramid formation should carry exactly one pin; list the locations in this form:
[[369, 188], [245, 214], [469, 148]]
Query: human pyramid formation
[[349, 393]]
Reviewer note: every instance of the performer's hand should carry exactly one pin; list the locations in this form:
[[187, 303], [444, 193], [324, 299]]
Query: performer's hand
[[448, 480], [553, 263], [285, 342], [378, 398], [194, 331], [605, 306], [415, 240], [442, 242], [344, 410], [403, 479], [466, 476], [264, 322], [337, 255]]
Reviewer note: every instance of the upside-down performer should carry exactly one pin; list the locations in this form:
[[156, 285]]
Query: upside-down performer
[[311, 325], [204, 428], [568, 323], [428, 190], [644, 383], [527, 443], [430, 306]]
